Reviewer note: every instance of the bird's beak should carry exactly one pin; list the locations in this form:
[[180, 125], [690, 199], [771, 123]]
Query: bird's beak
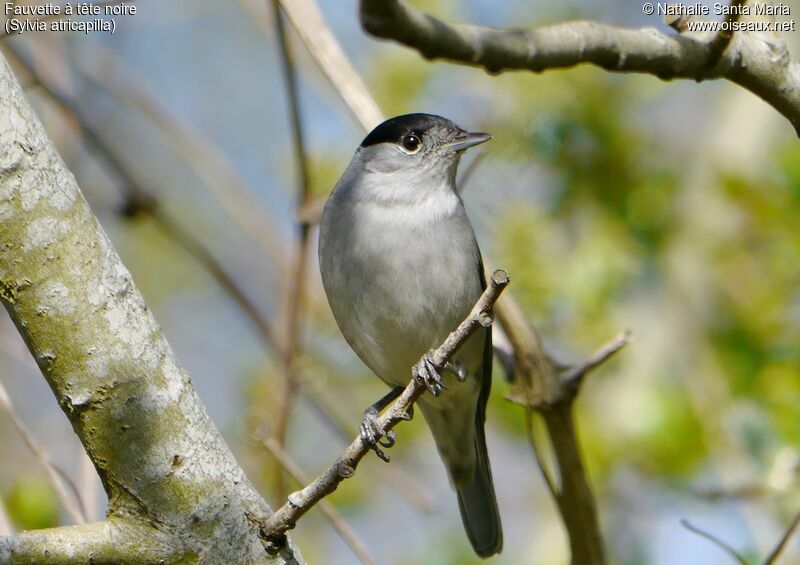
[[467, 140]]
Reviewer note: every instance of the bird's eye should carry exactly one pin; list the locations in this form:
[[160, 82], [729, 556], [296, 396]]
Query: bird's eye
[[411, 143]]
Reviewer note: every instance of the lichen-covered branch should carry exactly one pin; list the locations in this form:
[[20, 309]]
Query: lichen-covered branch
[[109, 541], [175, 491], [758, 62], [303, 500]]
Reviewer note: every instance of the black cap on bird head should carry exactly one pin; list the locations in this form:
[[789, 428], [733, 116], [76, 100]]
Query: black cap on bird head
[[410, 132]]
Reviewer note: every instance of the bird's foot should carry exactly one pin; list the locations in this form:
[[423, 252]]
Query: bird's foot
[[457, 368], [373, 434], [427, 373]]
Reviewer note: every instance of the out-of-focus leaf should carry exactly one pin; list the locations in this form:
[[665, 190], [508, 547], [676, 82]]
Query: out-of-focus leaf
[[31, 503]]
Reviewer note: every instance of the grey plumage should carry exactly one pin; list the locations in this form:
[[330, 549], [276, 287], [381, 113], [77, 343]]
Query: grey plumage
[[401, 268]]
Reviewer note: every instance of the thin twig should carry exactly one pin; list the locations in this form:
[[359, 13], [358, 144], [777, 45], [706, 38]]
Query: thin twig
[[776, 553], [307, 19], [302, 501], [296, 291], [573, 376], [466, 175], [328, 510], [204, 257], [235, 196], [715, 540], [171, 228], [65, 489], [742, 492]]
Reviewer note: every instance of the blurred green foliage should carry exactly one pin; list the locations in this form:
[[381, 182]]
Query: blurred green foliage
[[31, 503], [757, 328], [580, 256]]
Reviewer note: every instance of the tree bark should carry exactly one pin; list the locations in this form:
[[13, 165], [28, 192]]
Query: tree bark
[[175, 491], [759, 62]]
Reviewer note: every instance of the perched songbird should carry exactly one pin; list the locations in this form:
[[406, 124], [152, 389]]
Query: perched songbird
[[401, 269]]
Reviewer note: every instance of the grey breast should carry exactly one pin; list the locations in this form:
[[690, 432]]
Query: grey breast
[[396, 293]]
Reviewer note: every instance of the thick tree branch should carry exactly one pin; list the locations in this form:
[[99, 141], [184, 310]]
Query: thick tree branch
[[175, 491], [110, 541], [759, 63], [302, 501]]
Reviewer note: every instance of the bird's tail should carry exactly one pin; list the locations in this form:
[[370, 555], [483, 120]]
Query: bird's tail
[[478, 505]]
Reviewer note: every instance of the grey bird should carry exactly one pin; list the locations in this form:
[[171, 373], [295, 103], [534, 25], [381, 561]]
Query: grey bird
[[401, 268]]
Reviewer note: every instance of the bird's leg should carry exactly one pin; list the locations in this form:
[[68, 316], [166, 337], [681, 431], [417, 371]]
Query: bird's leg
[[371, 431], [427, 373], [457, 368]]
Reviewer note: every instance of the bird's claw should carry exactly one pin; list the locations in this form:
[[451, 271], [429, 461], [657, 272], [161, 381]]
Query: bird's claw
[[388, 440], [373, 434], [427, 373]]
